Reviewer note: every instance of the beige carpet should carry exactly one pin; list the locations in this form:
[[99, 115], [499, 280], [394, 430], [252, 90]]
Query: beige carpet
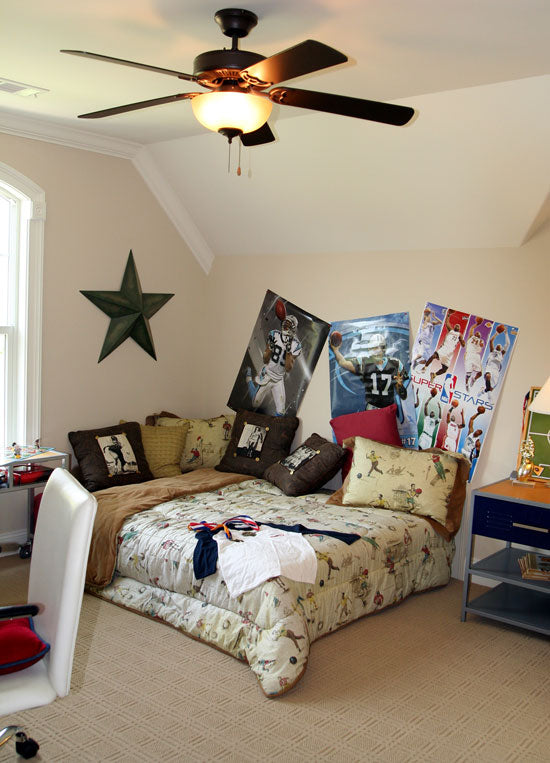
[[409, 684]]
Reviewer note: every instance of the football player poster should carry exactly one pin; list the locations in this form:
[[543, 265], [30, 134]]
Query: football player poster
[[369, 368], [280, 358], [458, 364]]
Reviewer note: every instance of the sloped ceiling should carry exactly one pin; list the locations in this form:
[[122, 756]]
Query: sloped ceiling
[[471, 171]]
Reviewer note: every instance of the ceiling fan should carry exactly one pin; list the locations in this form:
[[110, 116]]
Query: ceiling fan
[[238, 102]]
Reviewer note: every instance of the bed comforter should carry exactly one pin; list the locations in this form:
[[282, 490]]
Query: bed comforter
[[272, 626]]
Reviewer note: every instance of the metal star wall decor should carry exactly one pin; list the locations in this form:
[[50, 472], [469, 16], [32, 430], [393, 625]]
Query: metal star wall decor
[[129, 310]]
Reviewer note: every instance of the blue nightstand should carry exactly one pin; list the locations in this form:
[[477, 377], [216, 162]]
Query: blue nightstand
[[516, 515]]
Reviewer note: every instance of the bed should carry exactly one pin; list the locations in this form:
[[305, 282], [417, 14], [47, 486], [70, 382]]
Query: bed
[[142, 559]]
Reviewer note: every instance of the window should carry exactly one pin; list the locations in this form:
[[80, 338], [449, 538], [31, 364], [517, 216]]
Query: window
[[22, 214]]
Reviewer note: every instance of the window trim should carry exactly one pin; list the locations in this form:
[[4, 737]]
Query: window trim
[[31, 265]]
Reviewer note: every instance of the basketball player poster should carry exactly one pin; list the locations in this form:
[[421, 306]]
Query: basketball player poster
[[280, 358], [458, 364], [370, 368]]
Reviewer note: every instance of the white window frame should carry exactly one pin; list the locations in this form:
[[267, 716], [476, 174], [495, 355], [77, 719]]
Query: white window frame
[[24, 373]]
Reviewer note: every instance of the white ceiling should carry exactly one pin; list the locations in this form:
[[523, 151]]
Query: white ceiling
[[471, 171]]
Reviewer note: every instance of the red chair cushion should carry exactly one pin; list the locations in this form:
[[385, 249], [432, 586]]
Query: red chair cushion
[[20, 645], [379, 424]]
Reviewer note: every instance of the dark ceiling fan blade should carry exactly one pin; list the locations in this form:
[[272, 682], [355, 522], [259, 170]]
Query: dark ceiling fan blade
[[135, 106], [258, 137], [304, 58], [375, 111], [111, 60]]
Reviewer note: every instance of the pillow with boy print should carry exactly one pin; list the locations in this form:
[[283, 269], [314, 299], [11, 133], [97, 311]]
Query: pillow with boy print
[[308, 467], [430, 483], [257, 442], [110, 456]]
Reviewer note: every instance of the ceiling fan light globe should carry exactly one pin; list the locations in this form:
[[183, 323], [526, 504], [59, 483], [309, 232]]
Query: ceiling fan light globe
[[239, 111]]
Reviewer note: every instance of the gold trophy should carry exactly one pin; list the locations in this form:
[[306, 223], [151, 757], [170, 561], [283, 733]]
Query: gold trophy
[[525, 469]]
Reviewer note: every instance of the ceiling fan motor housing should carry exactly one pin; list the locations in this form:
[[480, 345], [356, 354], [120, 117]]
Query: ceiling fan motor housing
[[217, 65]]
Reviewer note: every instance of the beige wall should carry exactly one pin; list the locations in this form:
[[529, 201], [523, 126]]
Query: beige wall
[[98, 208], [509, 285]]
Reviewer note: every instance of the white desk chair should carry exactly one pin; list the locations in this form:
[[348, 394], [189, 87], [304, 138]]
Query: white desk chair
[[56, 584]]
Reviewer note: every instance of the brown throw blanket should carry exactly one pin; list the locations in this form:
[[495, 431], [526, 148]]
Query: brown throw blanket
[[116, 504]]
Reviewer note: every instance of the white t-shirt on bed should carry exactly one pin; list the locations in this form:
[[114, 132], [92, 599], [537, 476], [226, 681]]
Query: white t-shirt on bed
[[268, 554]]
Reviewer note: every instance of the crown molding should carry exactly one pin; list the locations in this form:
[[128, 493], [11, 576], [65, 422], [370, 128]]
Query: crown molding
[[53, 132], [171, 203]]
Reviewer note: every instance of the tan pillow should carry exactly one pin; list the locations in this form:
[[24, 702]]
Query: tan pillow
[[206, 441], [430, 483], [163, 449]]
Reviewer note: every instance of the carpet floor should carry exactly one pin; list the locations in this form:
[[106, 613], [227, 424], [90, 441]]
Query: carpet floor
[[412, 683]]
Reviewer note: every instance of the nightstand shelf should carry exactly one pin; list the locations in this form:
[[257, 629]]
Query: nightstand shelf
[[504, 565], [514, 606], [516, 515]]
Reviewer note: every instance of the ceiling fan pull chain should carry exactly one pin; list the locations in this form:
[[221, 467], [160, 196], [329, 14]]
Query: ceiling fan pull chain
[[239, 166], [229, 158]]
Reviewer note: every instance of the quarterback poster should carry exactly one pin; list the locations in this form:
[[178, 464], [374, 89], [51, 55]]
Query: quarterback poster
[[370, 368], [458, 364], [280, 358]]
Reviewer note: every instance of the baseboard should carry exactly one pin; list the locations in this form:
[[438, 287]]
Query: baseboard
[[476, 579], [10, 542]]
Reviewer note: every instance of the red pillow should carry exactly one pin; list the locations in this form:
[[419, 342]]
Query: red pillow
[[379, 424], [20, 645]]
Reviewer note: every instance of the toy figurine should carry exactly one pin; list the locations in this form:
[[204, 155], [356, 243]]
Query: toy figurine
[[526, 451]]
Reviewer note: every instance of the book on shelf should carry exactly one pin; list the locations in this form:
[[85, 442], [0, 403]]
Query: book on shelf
[[535, 566]]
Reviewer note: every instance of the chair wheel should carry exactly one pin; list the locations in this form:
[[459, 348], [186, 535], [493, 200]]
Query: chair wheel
[[27, 748], [25, 550]]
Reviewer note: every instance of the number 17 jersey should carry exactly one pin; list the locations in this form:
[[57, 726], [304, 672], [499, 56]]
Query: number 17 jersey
[[379, 382]]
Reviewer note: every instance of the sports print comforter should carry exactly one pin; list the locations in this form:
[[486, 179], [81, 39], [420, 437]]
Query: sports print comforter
[[273, 626]]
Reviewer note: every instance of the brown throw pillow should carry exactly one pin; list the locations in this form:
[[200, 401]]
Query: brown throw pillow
[[307, 468], [111, 456], [152, 419], [257, 441]]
